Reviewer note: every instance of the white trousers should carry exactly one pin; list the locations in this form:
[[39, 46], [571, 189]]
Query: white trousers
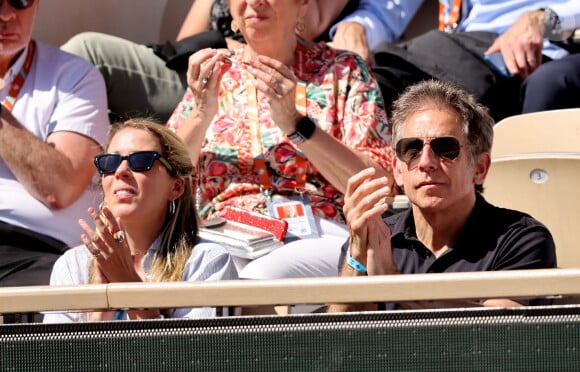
[[318, 257]]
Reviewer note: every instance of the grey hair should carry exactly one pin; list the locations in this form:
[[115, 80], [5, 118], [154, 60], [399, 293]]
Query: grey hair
[[477, 122]]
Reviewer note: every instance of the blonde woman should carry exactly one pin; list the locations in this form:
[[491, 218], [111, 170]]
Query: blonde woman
[[147, 227]]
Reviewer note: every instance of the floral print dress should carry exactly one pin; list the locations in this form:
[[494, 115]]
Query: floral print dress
[[343, 99]]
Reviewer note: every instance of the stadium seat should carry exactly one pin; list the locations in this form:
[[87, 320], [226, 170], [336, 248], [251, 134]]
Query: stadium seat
[[536, 169]]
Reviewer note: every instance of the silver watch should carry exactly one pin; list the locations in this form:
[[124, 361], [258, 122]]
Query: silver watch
[[553, 26]]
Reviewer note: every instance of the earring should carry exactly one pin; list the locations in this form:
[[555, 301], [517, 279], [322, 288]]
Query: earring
[[300, 25], [234, 26], [172, 207]]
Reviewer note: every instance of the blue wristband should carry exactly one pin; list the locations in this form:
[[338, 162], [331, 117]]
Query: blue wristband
[[356, 265]]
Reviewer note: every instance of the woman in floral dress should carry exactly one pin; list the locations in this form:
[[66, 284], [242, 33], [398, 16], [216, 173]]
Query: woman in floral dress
[[283, 121]]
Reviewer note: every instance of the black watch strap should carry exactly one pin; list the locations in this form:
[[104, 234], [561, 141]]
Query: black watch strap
[[304, 130]]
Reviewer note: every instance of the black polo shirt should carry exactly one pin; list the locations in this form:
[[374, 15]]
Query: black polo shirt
[[493, 239]]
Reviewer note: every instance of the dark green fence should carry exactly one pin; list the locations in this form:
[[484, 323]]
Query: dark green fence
[[526, 339]]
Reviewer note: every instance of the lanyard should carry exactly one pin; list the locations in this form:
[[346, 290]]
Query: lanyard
[[300, 157], [254, 122], [18, 82], [449, 24], [257, 153]]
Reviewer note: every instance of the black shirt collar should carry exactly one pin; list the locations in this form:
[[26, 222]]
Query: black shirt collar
[[403, 225]]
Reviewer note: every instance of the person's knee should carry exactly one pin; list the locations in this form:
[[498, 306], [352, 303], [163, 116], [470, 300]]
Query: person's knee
[[85, 45], [265, 268], [548, 73], [307, 258], [546, 81], [78, 43]]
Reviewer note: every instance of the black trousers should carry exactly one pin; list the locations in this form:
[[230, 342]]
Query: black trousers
[[394, 74], [26, 257], [554, 85], [457, 58]]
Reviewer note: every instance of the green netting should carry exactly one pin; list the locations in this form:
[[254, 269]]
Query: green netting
[[528, 339]]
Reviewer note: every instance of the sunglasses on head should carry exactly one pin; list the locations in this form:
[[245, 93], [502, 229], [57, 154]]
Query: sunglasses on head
[[20, 4], [408, 149], [139, 161]]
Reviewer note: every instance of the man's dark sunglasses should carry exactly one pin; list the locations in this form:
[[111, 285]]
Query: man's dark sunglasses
[[20, 4], [139, 161], [408, 149]]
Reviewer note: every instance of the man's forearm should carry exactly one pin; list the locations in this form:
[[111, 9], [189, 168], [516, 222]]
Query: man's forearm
[[384, 21], [46, 173]]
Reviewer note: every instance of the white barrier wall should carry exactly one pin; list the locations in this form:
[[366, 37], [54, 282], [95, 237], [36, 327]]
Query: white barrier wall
[[146, 21], [143, 21]]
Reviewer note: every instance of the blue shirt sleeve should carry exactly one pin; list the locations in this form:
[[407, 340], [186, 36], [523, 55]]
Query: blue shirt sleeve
[[384, 21], [499, 15], [569, 14]]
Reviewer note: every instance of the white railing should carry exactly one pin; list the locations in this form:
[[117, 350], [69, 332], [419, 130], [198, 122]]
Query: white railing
[[392, 288]]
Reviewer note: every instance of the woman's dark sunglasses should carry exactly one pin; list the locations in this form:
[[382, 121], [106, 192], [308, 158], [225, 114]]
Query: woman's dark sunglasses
[[408, 149], [20, 4], [139, 161]]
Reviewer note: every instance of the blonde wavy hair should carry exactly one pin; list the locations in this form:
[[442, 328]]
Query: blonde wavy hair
[[180, 230]]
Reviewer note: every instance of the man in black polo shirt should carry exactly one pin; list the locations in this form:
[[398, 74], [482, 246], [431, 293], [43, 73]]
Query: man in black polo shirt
[[443, 142]]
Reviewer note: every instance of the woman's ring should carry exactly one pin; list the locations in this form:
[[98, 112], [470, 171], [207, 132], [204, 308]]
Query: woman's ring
[[119, 236], [204, 81], [96, 255]]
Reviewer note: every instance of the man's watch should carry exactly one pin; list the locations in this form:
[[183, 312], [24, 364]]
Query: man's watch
[[304, 130], [553, 26]]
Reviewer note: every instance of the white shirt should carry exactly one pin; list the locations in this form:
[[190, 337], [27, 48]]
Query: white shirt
[[61, 93], [208, 262]]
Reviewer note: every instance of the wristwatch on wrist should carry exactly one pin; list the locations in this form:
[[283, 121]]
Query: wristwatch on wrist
[[304, 130], [552, 25]]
